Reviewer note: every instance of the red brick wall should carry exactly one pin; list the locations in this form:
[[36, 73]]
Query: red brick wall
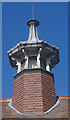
[[33, 92], [48, 91]]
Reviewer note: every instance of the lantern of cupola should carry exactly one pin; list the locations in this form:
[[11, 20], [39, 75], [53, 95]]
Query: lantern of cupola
[[33, 53]]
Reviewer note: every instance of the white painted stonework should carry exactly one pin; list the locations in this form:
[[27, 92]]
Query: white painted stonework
[[47, 65], [19, 66]]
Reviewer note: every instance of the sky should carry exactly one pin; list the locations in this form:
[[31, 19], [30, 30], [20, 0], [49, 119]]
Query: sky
[[53, 28]]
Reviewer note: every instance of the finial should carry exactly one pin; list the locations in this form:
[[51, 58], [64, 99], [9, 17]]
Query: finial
[[33, 37], [33, 11]]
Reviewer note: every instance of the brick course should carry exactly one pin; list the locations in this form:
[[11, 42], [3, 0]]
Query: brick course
[[33, 92]]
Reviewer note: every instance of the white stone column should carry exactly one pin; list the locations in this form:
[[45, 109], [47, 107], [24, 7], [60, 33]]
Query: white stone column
[[19, 66], [26, 58], [47, 65], [26, 63], [38, 58]]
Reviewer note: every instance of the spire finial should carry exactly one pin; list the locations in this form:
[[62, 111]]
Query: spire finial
[[33, 11], [33, 37]]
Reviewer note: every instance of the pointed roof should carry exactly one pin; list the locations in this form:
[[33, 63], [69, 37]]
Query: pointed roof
[[33, 36]]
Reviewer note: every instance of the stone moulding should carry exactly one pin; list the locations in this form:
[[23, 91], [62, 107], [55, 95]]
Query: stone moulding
[[34, 70]]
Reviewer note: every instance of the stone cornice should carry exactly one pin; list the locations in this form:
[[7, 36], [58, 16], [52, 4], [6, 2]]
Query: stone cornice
[[34, 70]]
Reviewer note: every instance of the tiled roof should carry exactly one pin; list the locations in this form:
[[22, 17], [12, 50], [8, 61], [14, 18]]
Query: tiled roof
[[61, 111], [4, 100]]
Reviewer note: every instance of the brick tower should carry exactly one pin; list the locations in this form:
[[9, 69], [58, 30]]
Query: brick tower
[[33, 91]]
